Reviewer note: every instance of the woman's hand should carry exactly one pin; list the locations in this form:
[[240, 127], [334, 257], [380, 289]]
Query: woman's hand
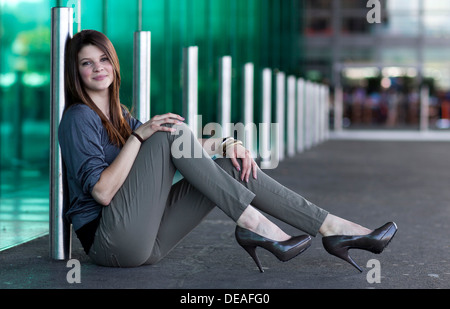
[[157, 124], [249, 166]]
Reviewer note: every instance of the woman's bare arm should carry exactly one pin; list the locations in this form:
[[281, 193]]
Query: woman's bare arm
[[113, 177]]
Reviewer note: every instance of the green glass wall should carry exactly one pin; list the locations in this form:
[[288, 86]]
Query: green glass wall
[[24, 119], [264, 32]]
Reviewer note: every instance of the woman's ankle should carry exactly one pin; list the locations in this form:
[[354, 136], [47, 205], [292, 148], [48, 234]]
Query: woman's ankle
[[248, 219], [334, 225], [256, 222]]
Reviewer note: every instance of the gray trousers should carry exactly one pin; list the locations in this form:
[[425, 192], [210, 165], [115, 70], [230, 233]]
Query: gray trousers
[[149, 215]]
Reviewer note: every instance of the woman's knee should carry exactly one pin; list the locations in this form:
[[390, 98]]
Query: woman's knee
[[227, 165]]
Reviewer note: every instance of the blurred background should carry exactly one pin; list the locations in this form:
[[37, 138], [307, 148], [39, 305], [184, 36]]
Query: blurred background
[[380, 68]]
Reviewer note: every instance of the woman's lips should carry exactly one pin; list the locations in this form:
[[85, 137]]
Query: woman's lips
[[100, 77]]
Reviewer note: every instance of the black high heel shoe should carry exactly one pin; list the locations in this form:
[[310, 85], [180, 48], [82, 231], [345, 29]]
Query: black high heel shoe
[[374, 242], [283, 250]]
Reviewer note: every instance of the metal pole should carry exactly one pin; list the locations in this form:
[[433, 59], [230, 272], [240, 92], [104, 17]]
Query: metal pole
[[327, 112], [312, 110], [323, 112], [250, 127], [224, 108], [141, 74], [265, 145], [319, 113], [60, 230], [300, 115], [308, 114], [280, 111], [190, 87], [291, 130], [316, 113]]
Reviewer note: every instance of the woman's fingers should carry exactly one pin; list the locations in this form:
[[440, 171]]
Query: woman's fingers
[[169, 117], [251, 170], [235, 163], [249, 166], [255, 170], [157, 122], [245, 169]]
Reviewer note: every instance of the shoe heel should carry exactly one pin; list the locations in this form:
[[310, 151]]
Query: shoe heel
[[335, 248], [346, 257], [251, 250]]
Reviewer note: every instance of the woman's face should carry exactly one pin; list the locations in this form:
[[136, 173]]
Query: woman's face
[[97, 72]]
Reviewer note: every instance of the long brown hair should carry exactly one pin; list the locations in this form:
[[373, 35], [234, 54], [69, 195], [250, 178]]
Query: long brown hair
[[117, 127]]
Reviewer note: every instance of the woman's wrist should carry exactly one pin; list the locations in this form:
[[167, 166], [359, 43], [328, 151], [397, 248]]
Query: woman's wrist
[[223, 145], [137, 136], [227, 143]]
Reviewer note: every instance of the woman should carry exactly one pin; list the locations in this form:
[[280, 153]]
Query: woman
[[124, 208]]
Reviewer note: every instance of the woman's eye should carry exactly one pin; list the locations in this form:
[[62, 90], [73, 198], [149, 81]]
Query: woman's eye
[[105, 59], [85, 63]]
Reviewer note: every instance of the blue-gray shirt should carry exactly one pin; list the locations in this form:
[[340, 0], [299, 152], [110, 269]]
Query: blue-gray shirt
[[86, 151]]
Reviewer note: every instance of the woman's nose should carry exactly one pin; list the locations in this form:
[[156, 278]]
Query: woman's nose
[[98, 67]]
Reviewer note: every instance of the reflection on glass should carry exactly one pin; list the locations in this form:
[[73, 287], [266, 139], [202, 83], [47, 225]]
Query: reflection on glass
[[437, 25], [353, 25], [319, 4], [399, 55], [350, 54], [436, 6], [401, 25], [437, 55], [353, 4], [24, 82], [404, 5], [316, 25], [24, 119]]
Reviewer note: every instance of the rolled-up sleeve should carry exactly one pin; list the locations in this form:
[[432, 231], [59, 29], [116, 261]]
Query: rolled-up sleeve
[[81, 147]]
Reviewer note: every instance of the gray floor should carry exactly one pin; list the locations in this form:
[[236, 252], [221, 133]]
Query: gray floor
[[370, 182]]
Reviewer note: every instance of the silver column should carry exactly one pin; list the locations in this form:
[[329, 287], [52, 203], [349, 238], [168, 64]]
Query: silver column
[[280, 111], [308, 114], [190, 87], [290, 117], [224, 108], [59, 229], [316, 113], [300, 115], [248, 98], [321, 112], [142, 75], [325, 112], [265, 140]]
